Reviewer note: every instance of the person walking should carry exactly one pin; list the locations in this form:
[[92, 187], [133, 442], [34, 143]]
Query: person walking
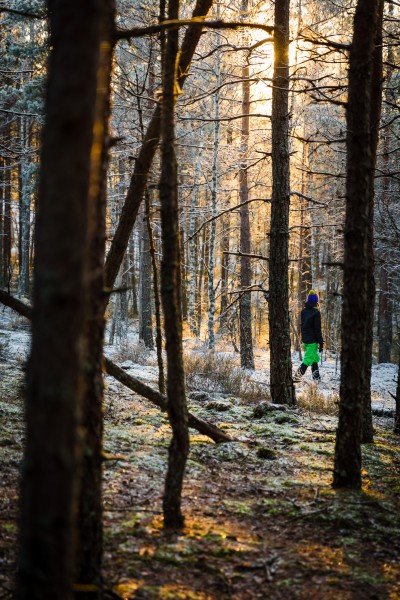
[[312, 339]]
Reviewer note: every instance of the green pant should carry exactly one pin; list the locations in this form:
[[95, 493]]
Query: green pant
[[311, 354]]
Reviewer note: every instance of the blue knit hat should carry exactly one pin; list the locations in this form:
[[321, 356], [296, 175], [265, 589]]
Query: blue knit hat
[[313, 297]]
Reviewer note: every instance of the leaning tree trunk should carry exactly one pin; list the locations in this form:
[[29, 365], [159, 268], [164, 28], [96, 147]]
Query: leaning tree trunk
[[367, 435], [90, 516], [171, 286], [146, 154], [347, 469], [282, 389], [49, 483]]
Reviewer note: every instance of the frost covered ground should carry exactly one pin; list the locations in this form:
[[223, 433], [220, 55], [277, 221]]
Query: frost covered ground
[[262, 520], [142, 363]]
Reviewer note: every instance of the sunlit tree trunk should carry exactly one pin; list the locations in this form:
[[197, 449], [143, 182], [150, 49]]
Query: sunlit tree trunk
[[347, 468], [214, 192], [54, 390], [282, 389], [171, 286], [224, 270], [246, 340]]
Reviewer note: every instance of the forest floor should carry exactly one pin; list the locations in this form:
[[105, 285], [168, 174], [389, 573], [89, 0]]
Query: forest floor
[[262, 520]]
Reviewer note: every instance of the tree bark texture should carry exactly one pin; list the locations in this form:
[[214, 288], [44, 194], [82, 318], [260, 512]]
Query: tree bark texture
[[367, 435], [146, 154], [282, 389], [171, 286], [347, 468], [49, 482], [90, 516]]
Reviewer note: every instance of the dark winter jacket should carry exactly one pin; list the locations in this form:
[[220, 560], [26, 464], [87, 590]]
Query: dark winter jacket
[[311, 325]]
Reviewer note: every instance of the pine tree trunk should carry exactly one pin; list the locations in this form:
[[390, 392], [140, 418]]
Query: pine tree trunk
[[90, 516], [367, 435], [54, 393], [282, 389], [347, 469], [171, 287]]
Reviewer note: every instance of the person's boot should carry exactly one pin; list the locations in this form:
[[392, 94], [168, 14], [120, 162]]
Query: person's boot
[[315, 372], [299, 373]]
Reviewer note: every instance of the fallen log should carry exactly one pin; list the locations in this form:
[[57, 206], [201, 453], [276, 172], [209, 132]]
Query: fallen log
[[137, 386], [134, 384]]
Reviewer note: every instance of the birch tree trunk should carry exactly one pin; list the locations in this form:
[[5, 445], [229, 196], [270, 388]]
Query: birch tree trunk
[[282, 389]]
